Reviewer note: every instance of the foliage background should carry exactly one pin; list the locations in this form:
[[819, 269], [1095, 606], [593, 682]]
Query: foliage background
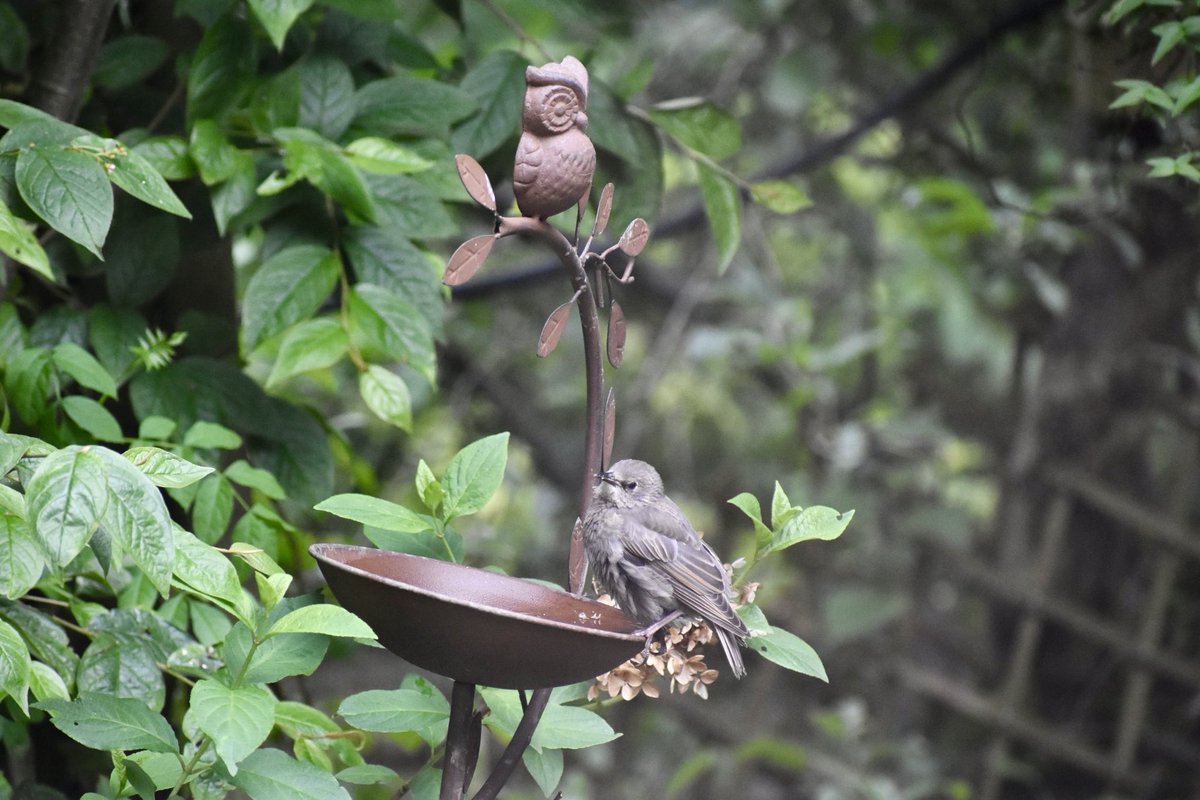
[[987, 313]]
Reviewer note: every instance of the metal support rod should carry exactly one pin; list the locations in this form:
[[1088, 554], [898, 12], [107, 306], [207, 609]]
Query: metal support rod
[[516, 747], [594, 370], [456, 770]]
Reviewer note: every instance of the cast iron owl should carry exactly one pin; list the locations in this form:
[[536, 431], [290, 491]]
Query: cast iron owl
[[555, 158]]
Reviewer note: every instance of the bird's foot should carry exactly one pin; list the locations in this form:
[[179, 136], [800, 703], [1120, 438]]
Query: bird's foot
[[650, 631]]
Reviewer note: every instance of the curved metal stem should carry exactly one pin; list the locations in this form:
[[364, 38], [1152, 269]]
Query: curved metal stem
[[593, 365], [577, 566]]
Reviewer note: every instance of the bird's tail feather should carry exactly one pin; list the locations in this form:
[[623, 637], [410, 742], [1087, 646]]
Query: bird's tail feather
[[731, 644]]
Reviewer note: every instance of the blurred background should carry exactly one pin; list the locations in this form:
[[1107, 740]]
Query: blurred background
[[969, 313], [981, 336]]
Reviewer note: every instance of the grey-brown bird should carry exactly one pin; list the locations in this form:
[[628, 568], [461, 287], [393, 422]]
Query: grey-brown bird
[[646, 554]]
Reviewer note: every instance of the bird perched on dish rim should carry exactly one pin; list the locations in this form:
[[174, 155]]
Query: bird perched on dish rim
[[646, 554]]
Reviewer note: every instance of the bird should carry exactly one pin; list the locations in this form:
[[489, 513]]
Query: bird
[[650, 559], [555, 158]]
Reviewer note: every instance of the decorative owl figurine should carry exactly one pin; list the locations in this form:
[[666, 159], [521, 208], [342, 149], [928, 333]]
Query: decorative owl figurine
[[555, 158]]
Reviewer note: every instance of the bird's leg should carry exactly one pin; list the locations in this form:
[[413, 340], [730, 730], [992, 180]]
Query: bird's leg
[[650, 631]]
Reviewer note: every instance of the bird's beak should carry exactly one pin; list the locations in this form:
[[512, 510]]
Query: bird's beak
[[609, 478]]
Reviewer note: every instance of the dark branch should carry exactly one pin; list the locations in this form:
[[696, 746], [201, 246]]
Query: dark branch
[[65, 69], [916, 93]]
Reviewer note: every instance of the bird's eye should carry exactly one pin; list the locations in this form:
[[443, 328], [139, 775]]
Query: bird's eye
[[630, 486]]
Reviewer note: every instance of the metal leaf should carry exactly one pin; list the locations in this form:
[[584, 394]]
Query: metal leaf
[[603, 209], [553, 329], [467, 259], [633, 240], [476, 182], [616, 334], [610, 426], [578, 562]]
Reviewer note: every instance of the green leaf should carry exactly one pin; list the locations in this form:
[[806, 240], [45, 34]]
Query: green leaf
[[212, 508], [428, 487], [27, 382], [385, 157], [561, 727], [18, 242], [136, 175], [156, 428], [122, 665], [206, 571], [386, 394], [276, 658], [128, 60], [84, 368], [1138, 91], [14, 41], [21, 559], [1169, 34], [214, 155], [277, 16], [69, 190], [326, 95], [723, 206], [384, 324], [237, 720], [781, 507], [15, 666], [1185, 95], [66, 498], [168, 155], [105, 722], [398, 710], [782, 197], [92, 417], [138, 520], [312, 344], [374, 512], [321, 163], [853, 612], [814, 522], [410, 105], [384, 258], [474, 475], [166, 469], [788, 651], [206, 435], [749, 505], [325, 619], [447, 545], [754, 618], [287, 288], [497, 85], [700, 125], [221, 67], [407, 207], [241, 473], [13, 337], [545, 767], [46, 683], [271, 774]]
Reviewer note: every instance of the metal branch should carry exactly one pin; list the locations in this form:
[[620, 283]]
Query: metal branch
[[593, 366]]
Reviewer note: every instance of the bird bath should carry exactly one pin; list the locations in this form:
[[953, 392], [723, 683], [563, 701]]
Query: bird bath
[[477, 626]]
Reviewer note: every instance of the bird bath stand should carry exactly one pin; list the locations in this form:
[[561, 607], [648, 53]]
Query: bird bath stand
[[476, 626]]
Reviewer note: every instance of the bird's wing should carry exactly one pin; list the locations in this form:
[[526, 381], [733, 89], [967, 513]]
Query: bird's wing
[[693, 570]]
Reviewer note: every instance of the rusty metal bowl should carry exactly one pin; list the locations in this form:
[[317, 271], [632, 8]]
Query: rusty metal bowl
[[477, 626]]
